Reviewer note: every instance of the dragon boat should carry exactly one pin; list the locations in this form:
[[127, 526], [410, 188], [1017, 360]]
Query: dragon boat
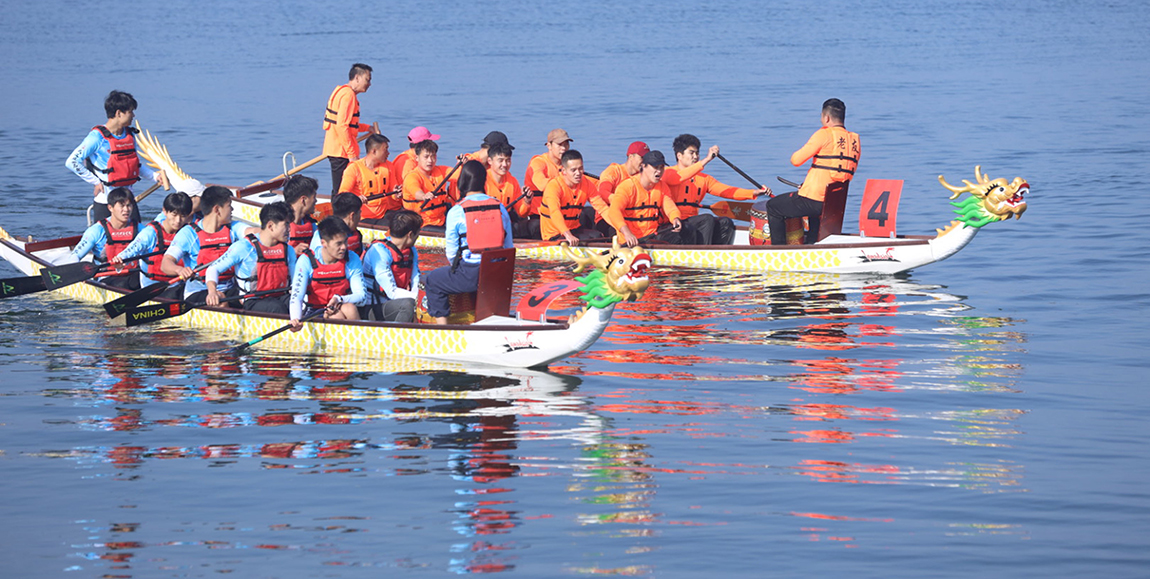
[[989, 201], [498, 340]]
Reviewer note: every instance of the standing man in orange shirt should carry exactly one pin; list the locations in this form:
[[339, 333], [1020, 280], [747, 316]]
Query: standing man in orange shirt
[[420, 183], [372, 175], [564, 199], [689, 185], [836, 156], [638, 203], [405, 161], [341, 124], [612, 176]]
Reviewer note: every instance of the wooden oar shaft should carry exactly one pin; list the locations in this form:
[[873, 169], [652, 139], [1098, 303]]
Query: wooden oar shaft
[[299, 168], [150, 190]]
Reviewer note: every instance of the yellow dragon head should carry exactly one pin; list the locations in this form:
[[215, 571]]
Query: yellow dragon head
[[618, 275], [992, 200]]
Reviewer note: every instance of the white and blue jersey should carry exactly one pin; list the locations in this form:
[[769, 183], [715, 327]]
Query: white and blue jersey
[[95, 148], [185, 249], [301, 279], [243, 257], [378, 261]]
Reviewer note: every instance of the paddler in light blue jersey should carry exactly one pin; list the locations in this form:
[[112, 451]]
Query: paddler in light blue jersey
[[262, 262], [157, 236], [200, 244], [331, 279]]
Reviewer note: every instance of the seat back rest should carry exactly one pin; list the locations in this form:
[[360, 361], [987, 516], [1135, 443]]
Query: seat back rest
[[496, 274]]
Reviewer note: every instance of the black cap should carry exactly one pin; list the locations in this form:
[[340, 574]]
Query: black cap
[[496, 137], [655, 159]]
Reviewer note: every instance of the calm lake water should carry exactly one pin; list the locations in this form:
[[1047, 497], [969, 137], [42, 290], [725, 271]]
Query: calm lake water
[[985, 416]]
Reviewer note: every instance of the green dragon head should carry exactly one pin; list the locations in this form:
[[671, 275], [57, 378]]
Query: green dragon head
[[990, 200]]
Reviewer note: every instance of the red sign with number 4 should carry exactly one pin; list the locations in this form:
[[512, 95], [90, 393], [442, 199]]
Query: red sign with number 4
[[879, 211]]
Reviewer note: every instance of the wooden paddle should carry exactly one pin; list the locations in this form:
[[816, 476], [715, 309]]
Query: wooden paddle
[[150, 190], [315, 160], [148, 314], [60, 276], [277, 331], [260, 187], [117, 306]]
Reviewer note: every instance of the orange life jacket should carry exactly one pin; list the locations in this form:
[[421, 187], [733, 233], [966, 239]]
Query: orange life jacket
[[329, 117], [123, 162], [163, 241], [212, 246], [117, 240], [568, 208], [843, 155], [272, 270], [483, 227], [372, 182], [327, 279]]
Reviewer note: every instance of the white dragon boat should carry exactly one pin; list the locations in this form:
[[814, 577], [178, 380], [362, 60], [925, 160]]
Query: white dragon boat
[[498, 340], [990, 200]]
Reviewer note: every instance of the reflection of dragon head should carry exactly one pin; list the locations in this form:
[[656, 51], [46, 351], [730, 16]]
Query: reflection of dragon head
[[158, 157], [618, 275], [991, 200]]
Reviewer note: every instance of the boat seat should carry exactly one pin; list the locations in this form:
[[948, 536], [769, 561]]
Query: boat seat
[[834, 207], [496, 273]]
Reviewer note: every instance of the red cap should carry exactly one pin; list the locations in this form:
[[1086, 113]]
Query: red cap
[[638, 148]]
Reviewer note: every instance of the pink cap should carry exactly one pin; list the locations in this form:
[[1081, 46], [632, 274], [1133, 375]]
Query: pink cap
[[421, 134], [638, 148]]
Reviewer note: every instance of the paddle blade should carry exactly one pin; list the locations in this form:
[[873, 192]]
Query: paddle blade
[[121, 304], [65, 275], [18, 286], [148, 314], [732, 210]]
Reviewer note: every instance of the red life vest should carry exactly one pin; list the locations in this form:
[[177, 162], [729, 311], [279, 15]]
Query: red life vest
[[123, 162], [483, 225], [355, 242], [327, 279], [402, 265], [163, 242], [117, 240], [301, 232], [212, 246], [272, 269]]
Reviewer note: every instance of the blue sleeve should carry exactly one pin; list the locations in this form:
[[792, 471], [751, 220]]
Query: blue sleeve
[[453, 226], [91, 242], [314, 245], [414, 270], [87, 149], [507, 242], [381, 268], [239, 256], [299, 282], [185, 247], [358, 295], [145, 242]]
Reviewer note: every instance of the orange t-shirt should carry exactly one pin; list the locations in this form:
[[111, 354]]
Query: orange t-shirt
[[506, 192], [341, 126], [561, 206], [404, 163], [639, 209], [365, 182], [689, 185], [434, 210], [539, 171], [836, 155]]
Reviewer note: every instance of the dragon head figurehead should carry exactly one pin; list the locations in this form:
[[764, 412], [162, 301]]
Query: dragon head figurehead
[[617, 275], [157, 156], [990, 200]]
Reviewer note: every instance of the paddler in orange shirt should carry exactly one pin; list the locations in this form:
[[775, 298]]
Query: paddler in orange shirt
[[405, 161], [420, 187], [372, 176], [638, 203], [562, 215], [502, 185], [610, 179], [689, 185], [341, 124], [836, 156], [540, 170]]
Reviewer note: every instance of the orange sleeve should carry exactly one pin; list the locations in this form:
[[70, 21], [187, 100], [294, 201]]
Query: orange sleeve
[[669, 208], [536, 177], [412, 186], [714, 187], [511, 185], [350, 181], [608, 181], [813, 146], [674, 175], [620, 200]]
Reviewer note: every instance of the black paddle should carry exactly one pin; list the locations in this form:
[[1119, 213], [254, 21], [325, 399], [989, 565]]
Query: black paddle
[[60, 276], [121, 304], [740, 171], [281, 329], [791, 183], [18, 286], [445, 180], [149, 314]]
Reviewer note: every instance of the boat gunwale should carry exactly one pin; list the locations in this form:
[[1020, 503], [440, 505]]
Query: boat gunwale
[[535, 327]]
